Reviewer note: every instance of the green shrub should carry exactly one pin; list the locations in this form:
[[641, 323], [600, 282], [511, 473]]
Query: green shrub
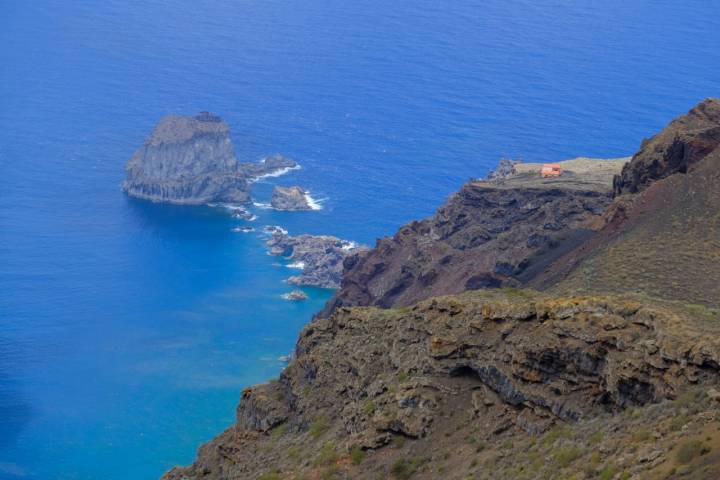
[[566, 456], [327, 455], [319, 427], [552, 435], [689, 450], [596, 438], [403, 469], [607, 473], [357, 455], [368, 408], [274, 475], [293, 453], [279, 431]]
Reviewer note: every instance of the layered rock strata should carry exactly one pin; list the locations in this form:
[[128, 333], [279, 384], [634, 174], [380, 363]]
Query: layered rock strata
[[191, 160]]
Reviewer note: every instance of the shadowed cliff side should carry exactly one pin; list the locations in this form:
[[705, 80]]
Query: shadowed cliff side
[[665, 240], [685, 141], [489, 234]]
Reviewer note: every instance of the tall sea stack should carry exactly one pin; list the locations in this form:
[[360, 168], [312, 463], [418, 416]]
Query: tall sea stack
[[187, 160]]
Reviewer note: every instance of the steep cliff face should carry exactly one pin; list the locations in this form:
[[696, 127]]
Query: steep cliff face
[[498, 366], [489, 234], [684, 142], [663, 241], [188, 160]]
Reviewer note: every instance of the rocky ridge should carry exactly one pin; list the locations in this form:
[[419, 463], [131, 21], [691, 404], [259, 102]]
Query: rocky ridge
[[684, 142]]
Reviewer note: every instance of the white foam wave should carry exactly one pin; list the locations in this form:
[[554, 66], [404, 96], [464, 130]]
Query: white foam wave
[[312, 203], [272, 229], [265, 206], [297, 265], [347, 246], [275, 173]]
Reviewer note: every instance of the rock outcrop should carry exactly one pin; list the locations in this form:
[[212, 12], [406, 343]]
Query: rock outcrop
[[683, 143], [187, 160], [289, 198], [493, 366], [320, 257], [296, 295], [488, 235], [191, 160], [272, 165]]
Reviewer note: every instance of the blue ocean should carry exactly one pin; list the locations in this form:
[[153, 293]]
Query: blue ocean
[[128, 329]]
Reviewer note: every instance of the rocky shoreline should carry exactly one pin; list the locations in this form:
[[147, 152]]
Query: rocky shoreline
[[319, 257], [608, 367]]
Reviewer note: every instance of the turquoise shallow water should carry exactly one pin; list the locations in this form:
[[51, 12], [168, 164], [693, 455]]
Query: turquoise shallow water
[[127, 329]]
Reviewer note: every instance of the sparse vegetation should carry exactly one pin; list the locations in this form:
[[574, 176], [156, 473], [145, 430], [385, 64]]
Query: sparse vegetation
[[565, 456], [319, 427], [357, 455], [274, 475], [327, 456], [689, 450], [403, 469]]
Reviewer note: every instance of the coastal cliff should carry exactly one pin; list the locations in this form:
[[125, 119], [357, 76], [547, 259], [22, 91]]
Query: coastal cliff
[[607, 367], [492, 233], [191, 160]]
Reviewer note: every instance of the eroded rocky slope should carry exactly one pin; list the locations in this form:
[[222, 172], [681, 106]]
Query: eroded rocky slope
[[610, 372], [495, 366], [684, 142], [489, 234]]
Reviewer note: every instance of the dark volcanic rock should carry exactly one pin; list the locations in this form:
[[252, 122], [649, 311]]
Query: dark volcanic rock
[[296, 295], [188, 160], [505, 169], [289, 198], [270, 165], [320, 257], [684, 142], [191, 160], [485, 236]]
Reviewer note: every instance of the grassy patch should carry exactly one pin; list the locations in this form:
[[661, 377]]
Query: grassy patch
[[319, 427], [357, 455], [327, 456], [564, 457], [274, 475], [403, 469], [689, 450], [279, 431]]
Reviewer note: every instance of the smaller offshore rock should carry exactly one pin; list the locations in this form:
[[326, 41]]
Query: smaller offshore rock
[[290, 198]]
